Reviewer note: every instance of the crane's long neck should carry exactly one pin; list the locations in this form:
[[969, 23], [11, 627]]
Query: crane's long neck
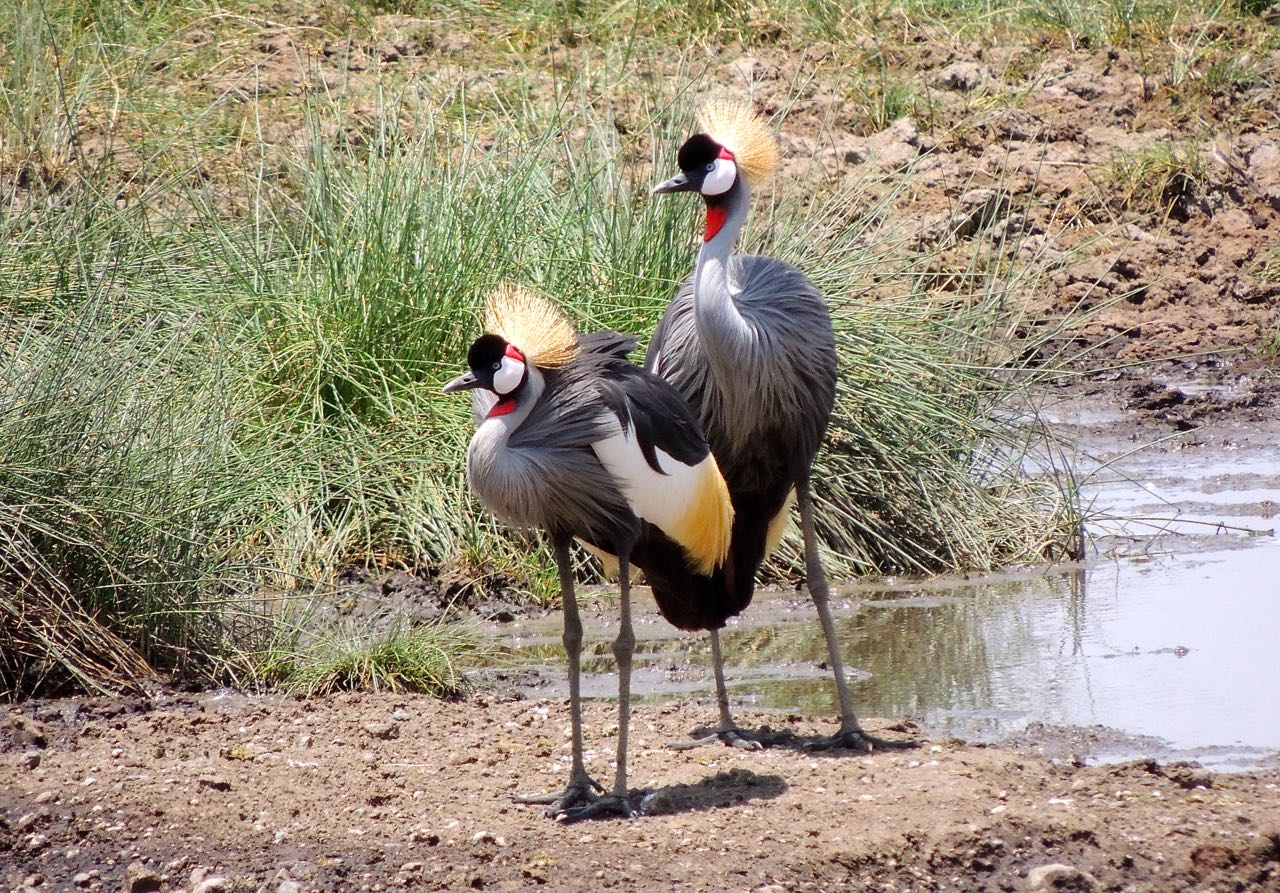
[[490, 440], [721, 326]]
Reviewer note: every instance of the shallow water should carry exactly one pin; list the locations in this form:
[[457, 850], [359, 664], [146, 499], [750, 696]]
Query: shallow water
[[1167, 636]]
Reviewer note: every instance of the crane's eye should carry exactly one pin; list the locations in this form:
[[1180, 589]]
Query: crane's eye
[[711, 166], [497, 365]]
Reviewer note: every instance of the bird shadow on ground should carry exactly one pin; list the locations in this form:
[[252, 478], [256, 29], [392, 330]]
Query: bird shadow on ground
[[735, 787], [905, 735]]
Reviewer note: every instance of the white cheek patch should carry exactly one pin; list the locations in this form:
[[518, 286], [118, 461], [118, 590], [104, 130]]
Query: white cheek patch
[[720, 178], [508, 378]]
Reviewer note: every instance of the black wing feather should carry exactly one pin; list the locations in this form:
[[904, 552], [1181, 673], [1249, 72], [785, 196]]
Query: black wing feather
[[661, 417], [606, 348]]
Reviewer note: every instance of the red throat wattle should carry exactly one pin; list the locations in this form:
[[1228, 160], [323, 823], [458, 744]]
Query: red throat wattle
[[716, 216], [502, 407]]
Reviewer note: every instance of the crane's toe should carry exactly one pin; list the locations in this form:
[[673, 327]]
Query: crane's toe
[[862, 742], [578, 793], [602, 807], [742, 739]]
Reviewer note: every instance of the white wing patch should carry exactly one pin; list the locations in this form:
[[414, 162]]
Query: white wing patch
[[659, 499], [689, 503]]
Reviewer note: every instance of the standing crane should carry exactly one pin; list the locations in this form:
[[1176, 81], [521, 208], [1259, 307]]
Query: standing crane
[[575, 439], [748, 341]]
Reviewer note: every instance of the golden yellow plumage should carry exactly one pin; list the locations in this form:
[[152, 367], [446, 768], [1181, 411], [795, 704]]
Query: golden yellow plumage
[[706, 528], [536, 326], [735, 125]]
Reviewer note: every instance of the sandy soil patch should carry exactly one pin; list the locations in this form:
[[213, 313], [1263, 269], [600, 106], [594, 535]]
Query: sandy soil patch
[[380, 792]]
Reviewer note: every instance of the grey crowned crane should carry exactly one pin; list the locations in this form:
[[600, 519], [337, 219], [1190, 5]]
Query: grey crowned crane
[[575, 439], [748, 341]]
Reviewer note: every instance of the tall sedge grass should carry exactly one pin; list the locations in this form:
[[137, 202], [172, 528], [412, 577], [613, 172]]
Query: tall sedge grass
[[216, 396]]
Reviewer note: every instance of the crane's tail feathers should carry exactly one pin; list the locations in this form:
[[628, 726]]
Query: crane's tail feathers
[[530, 321], [736, 126], [778, 524], [705, 529]]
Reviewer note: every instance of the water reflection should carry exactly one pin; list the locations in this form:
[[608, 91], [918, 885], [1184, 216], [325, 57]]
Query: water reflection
[[1179, 647]]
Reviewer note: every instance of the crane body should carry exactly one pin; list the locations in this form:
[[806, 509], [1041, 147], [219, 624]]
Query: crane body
[[748, 341], [576, 440]]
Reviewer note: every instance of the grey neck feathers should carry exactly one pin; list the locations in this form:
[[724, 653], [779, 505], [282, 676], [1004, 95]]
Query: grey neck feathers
[[724, 332]]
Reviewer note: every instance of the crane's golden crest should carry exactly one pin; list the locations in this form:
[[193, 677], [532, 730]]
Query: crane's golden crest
[[736, 126], [536, 326]]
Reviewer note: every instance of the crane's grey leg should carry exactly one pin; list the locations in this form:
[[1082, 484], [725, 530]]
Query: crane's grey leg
[[728, 731], [851, 733], [580, 786], [722, 692], [624, 646]]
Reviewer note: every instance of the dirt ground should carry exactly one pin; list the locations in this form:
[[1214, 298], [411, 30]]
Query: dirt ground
[[1164, 259], [222, 792]]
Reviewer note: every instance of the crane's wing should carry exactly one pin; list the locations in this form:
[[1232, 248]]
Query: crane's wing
[[663, 465], [676, 327], [604, 348]]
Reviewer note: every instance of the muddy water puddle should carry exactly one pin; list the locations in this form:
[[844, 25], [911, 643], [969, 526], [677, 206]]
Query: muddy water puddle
[[1165, 642]]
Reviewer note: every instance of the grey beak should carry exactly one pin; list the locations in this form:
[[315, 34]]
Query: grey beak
[[464, 382], [678, 183]]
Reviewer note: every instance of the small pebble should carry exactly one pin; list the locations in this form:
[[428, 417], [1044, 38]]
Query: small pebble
[[383, 731], [1057, 876]]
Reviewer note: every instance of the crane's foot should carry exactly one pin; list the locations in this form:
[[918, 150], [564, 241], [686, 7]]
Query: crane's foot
[[611, 806], [729, 737], [863, 742], [742, 739], [577, 794]]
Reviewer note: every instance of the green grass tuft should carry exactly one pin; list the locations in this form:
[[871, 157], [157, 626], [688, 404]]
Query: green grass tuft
[[1162, 178], [422, 660]]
